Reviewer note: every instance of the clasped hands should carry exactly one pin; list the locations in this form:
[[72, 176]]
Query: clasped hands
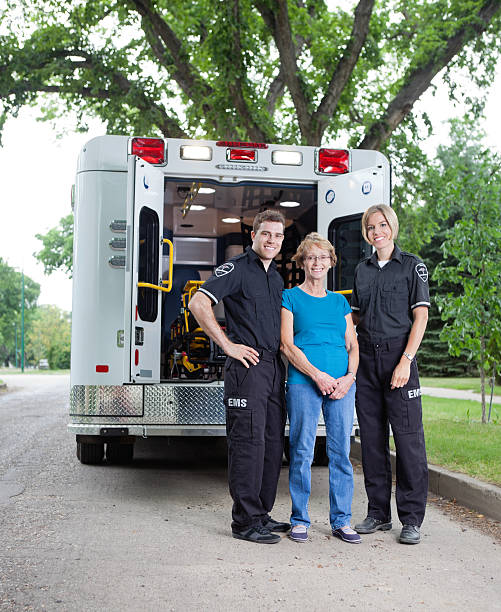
[[335, 388]]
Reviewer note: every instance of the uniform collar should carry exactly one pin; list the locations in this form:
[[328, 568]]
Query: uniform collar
[[396, 255], [253, 256]]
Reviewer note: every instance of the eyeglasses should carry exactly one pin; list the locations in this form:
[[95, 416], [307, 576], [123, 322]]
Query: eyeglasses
[[322, 258]]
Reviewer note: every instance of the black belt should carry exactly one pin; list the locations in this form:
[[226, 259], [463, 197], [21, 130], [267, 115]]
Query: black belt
[[388, 344], [266, 355]]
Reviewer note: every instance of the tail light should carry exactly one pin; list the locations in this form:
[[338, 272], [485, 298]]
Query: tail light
[[333, 161], [248, 155], [152, 150], [246, 145]]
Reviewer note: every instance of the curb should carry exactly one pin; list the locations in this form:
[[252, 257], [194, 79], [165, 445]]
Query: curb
[[467, 491]]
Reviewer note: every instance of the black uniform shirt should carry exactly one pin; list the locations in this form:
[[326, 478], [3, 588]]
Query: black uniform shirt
[[252, 300], [384, 298]]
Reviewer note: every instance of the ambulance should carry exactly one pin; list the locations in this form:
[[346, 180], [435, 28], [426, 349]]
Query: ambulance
[[153, 218]]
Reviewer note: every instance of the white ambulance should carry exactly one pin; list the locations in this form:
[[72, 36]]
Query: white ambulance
[[153, 218]]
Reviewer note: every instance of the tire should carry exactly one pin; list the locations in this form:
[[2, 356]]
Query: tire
[[287, 449], [119, 454], [320, 455], [90, 454]]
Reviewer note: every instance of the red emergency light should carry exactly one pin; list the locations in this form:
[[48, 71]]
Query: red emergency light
[[102, 368], [152, 150], [247, 145], [248, 155], [333, 161]]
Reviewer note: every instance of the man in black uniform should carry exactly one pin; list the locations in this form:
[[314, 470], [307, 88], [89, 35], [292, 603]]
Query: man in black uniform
[[251, 289], [390, 304]]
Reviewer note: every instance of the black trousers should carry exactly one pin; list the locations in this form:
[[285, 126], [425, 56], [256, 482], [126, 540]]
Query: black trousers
[[255, 423], [377, 405]]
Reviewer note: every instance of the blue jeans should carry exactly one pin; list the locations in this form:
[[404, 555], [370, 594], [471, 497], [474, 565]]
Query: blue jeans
[[304, 403]]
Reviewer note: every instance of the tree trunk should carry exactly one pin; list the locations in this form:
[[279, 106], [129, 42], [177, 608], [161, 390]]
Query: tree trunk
[[482, 376]]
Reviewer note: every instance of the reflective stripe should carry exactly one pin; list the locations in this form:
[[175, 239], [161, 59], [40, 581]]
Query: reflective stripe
[[212, 297], [355, 308]]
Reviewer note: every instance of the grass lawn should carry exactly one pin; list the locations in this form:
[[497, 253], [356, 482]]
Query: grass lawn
[[457, 440], [463, 384], [32, 371]]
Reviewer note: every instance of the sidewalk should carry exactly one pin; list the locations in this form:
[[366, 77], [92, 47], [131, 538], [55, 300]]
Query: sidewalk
[[458, 394]]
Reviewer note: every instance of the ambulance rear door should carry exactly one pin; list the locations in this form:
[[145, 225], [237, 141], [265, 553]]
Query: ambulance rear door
[[342, 199], [143, 298]]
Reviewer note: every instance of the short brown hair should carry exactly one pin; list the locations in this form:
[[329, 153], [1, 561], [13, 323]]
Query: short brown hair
[[388, 213], [275, 216], [314, 239]]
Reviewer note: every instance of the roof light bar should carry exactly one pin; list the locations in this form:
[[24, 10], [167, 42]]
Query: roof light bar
[[287, 158], [152, 150], [246, 145], [333, 161], [196, 152]]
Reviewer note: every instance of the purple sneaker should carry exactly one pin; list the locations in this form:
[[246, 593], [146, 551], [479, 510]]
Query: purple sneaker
[[299, 533], [347, 534]]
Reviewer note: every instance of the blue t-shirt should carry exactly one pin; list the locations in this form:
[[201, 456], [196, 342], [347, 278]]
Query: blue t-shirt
[[319, 331]]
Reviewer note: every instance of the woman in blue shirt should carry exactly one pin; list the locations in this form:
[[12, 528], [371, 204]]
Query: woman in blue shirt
[[319, 341]]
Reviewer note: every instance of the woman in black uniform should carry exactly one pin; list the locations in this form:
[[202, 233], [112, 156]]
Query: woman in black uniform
[[390, 309]]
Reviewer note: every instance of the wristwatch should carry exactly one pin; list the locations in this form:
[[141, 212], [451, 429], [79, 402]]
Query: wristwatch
[[409, 356], [354, 377]]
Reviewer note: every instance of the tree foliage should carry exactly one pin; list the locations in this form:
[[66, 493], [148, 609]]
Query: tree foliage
[[49, 337], [295, 71], [472, 253], [57, 251], [10, 307]]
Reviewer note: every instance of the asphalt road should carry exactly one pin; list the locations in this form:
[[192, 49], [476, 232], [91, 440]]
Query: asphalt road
[[155, 535]]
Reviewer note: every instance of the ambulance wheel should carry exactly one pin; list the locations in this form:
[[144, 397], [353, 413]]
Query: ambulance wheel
[[287, 449], [320, 454], [119, 453], [90, 454]]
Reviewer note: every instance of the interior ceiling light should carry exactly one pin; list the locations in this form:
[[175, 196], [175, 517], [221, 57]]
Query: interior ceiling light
[[290, 204], [206, 190], [230, 220], [197, 207]]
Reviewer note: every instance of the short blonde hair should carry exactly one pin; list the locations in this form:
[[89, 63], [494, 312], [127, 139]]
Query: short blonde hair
[[313, 239], [388, 213]]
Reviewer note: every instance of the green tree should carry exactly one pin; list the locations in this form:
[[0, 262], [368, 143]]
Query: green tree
[[10, 308], [292, 71], [472, 261], [57, 251], [49, 336]]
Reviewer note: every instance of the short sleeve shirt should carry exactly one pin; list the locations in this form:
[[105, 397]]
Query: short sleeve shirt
[[252, 297], [384, 298], [319, 331]]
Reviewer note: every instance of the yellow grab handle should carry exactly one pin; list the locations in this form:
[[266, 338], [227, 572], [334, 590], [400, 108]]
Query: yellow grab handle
[[345, 292], [168, 282]]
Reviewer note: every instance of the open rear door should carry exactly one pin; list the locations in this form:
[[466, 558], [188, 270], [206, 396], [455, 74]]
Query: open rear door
[[342, 199], [144, 271]]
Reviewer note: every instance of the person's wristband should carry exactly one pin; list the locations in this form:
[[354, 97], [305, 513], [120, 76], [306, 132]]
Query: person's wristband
[[409, 356], [354, 377]]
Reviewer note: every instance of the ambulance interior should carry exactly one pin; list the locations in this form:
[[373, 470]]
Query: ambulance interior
[[210, 222]]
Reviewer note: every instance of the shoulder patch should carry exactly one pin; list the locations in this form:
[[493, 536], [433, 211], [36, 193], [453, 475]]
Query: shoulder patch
[[226, 268], [422, 272]]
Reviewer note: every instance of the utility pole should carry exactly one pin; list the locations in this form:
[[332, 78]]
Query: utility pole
[[22, 323]]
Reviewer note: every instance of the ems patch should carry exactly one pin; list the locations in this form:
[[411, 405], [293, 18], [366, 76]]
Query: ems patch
[[224, 269], [237, 402], [422, 272], [414, 393]]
